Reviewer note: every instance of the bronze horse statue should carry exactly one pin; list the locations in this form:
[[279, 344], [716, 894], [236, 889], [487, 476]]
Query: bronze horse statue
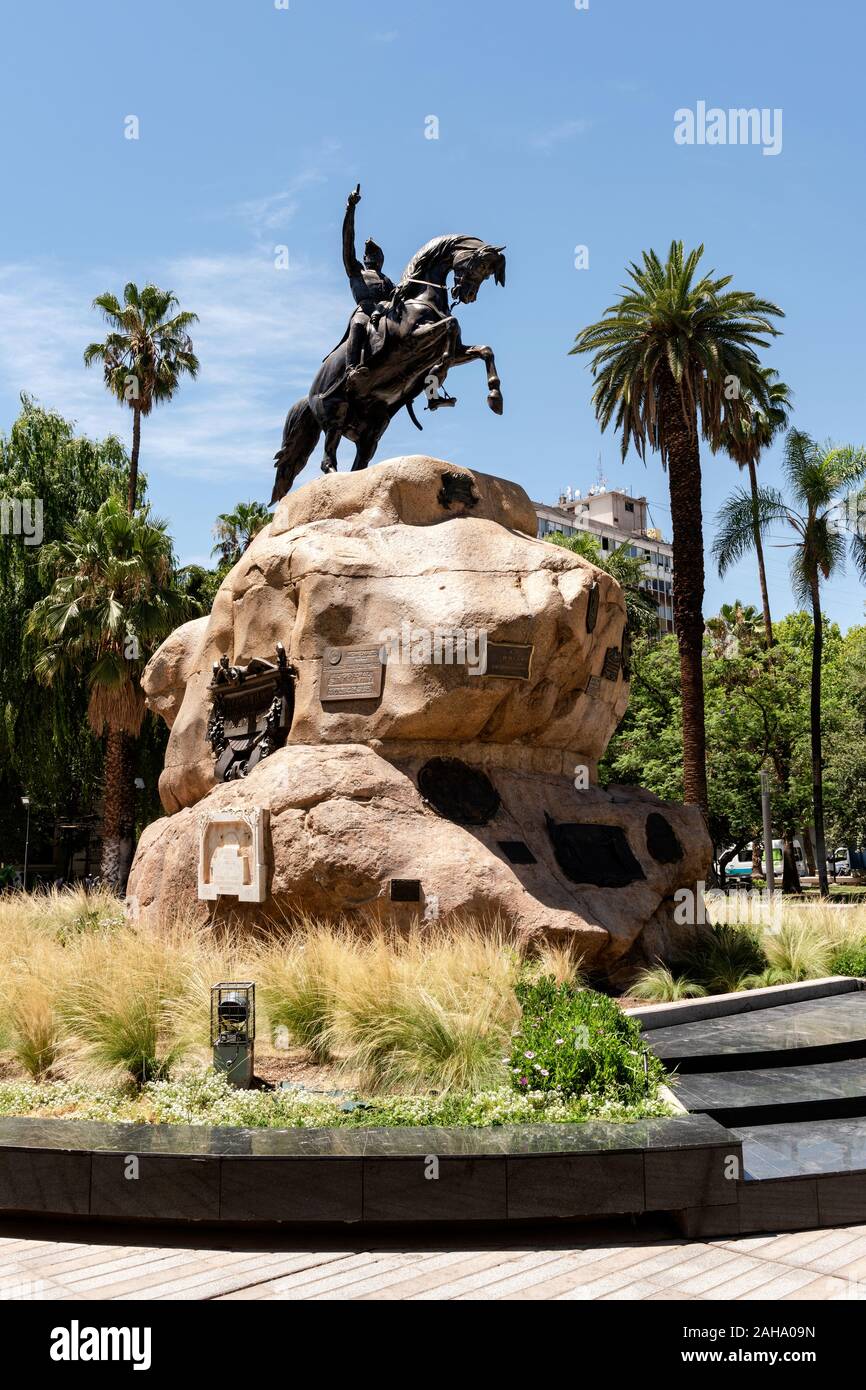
[[411, 343]]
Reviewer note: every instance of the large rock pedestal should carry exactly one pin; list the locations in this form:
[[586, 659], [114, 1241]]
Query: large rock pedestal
[[369, 799]]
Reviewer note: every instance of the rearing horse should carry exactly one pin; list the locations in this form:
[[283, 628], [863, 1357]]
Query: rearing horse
[[411, 350]]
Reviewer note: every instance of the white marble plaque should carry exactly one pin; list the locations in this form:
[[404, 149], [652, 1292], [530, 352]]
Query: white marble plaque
[[232, 859]]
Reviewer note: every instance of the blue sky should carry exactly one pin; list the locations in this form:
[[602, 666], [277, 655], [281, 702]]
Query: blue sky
[[555, 130]]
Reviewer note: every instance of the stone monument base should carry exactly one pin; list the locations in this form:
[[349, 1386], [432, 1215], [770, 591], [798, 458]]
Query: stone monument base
[[350, 835], [455, 777]]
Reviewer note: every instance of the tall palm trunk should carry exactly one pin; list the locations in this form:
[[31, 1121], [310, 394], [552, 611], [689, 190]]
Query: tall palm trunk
[[817, 760], [759, 551], [133, 460], [684, 470], [117, 817]]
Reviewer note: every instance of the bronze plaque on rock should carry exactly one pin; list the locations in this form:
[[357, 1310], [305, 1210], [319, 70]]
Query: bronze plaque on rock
[[510, 659], [592, 607], [612, 663], [351, 673]]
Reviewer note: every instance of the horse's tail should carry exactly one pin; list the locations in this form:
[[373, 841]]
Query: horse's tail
[[300, 434]]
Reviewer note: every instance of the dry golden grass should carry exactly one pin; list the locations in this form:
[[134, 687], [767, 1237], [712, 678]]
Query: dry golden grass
[[433, 1009], [56, 914], [94, 994]]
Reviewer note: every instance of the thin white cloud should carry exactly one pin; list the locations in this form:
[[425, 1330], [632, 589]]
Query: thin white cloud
[[261, 335], [560, 134], [273, 212]]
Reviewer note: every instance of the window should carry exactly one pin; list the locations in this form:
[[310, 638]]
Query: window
[[629, 506]]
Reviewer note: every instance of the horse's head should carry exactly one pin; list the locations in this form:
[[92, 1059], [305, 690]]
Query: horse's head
[[472, 266]]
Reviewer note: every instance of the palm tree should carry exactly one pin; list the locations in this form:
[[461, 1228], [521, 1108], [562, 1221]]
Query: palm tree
[[628, 571], [819, 477], [737, 625], [746, 438], [114, 599], [670, 360], [144, 356], [233, 531]]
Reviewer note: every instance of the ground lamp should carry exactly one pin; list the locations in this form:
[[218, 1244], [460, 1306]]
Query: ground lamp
[[233, 1029]]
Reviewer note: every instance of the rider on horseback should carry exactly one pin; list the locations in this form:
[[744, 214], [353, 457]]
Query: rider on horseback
[[371, 289], [400, 342]]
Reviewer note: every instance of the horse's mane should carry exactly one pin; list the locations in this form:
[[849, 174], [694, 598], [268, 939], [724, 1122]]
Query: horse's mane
[[434, 252]]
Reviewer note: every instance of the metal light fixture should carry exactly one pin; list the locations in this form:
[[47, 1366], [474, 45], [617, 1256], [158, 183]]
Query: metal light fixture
[[25, 801], [233, 1030]]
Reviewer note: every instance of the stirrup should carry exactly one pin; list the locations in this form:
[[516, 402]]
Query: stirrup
[[439, 401]]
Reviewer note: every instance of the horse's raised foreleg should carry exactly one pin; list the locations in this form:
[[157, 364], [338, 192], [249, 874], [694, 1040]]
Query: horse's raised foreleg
[[483, 354]]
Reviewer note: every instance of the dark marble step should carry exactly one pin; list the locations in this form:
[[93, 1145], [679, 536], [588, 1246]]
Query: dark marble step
[[812, 1031], [808, 1148], [830, 1090], [508, 1172]]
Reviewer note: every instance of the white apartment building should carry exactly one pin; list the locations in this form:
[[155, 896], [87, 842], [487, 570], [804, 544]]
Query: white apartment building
[[614, 519]]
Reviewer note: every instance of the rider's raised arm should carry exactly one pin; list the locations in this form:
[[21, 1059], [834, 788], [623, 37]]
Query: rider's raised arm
[[350, 260]]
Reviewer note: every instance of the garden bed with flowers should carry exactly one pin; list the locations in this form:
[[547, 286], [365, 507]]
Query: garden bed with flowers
[[454, 1026]]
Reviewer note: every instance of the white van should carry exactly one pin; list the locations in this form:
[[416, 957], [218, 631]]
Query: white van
[[741, 865]]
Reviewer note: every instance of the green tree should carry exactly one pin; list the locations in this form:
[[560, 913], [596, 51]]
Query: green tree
[[200, 585], [671, 360], [819, 478], [628, 571], [46, 746], [113, 599], [233, 531], [144, 357], [757, 715], [844, 728], [745, 438]]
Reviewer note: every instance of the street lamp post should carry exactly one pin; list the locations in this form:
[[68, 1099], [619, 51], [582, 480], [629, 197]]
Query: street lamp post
[[768, 832], [25, 801]]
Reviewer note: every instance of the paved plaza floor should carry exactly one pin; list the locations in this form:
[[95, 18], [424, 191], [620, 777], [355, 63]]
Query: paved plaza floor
[[611, 1261]]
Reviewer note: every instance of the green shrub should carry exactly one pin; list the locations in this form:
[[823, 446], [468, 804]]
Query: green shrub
[[798, 951], [723, 958], [118, 1006], [578, 1042], [416, 1041], [849, 959], [659, 985]]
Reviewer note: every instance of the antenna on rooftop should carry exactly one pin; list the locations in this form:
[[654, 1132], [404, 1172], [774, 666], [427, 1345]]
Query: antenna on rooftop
[[602, 480]]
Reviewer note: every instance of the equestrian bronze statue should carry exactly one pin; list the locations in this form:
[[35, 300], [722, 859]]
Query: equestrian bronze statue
[[400, 343]]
